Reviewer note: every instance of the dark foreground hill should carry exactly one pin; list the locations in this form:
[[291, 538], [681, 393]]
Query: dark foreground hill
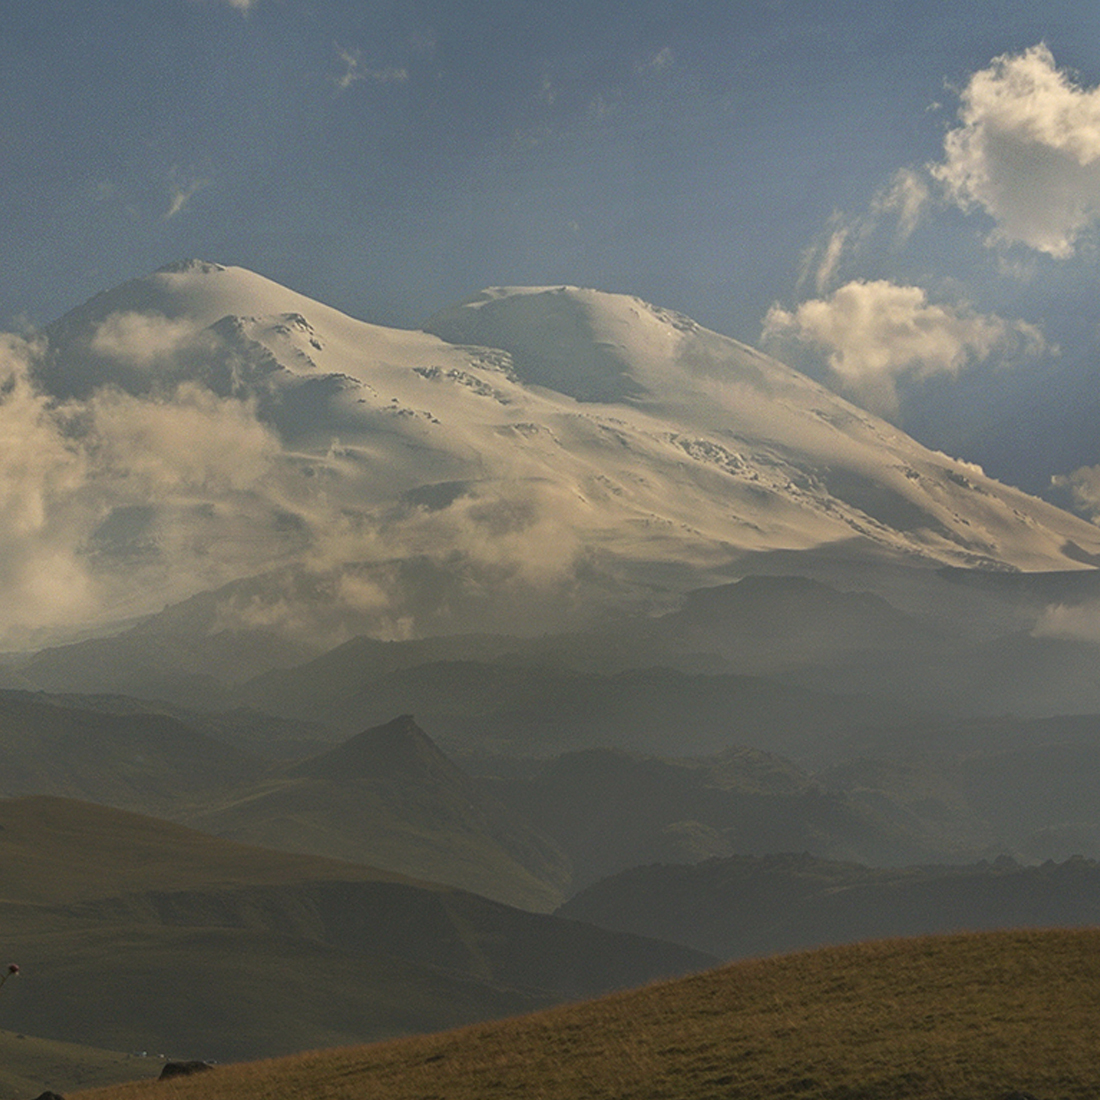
[[30, 1066], [137, 934], [975, 1017]]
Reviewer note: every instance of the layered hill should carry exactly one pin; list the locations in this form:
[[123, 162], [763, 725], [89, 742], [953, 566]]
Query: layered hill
[[982, 1016], [744, 906], [532, 459], [611, 810], [391, 798], [197, 947], [123, 757], [387, 797]]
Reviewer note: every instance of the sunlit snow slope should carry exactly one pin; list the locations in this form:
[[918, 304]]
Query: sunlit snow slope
[[534, 456]]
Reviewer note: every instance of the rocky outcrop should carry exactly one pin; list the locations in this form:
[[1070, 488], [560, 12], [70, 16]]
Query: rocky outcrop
[[184, 1069]]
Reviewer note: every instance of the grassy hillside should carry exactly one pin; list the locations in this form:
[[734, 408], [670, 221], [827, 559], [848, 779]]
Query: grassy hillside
[[137, 934], [964, 1017], [29, 1066], [142, 761]]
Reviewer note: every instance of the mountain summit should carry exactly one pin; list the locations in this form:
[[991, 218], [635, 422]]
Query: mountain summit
[[531, 458]]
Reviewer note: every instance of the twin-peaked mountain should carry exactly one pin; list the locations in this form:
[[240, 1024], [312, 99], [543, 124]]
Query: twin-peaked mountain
[[531, 459]]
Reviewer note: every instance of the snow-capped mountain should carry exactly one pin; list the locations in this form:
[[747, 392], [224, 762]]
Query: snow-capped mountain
[[534, 455]]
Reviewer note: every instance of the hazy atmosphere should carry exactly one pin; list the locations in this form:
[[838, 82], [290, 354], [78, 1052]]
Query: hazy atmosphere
[[506, 503]]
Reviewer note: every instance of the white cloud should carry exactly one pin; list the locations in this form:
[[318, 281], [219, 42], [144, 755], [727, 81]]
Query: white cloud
[[895, 210], [353, 71], [192, 442], [1083, 486], [139, 339], [828, 258], [660, 61], [873, 333], [905, 199], [106, 501], [1027, 152], [181, 190], [1071, 622], [237, 5]]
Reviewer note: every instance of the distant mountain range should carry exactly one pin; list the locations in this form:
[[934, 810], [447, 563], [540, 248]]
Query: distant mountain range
[[745, 906]]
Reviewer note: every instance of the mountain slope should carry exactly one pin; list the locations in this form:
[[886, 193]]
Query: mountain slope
[[390, 798], [747, 906], [611, 810], [141, 761], [557, 452], [199, 947], [980, 1017]]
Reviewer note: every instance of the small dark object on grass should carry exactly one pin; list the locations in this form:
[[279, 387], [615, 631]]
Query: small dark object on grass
[[47, 1095], [1018, 1096], [183, 1069]]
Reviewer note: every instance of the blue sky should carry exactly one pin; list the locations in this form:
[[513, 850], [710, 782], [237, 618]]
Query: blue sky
[[815, 176]]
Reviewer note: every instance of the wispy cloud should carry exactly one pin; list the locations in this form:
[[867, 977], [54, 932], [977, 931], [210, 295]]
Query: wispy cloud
[[894, 212], [353, 70], [1083, 486], [181, 190], [238, 5], [139, 339], [660, 61], [873, 333], [1027, 152]]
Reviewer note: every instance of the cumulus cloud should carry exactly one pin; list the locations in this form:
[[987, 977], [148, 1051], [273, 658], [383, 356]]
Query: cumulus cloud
[[192, 442], [873, 333], [1027, 152], [1083, 486], [123, 497], [108, 502]]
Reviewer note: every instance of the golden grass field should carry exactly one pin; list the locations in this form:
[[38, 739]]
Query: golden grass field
[[962, 1017]]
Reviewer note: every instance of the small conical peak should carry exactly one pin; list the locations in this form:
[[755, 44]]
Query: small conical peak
[[398, 749]]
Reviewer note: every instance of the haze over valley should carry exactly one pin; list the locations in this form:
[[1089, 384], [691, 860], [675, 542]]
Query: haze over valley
[[616, 522]]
